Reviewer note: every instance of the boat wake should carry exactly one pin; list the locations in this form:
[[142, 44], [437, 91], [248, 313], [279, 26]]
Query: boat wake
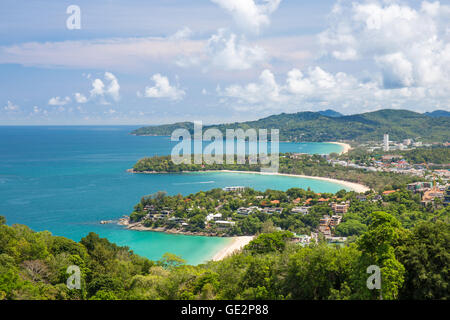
[[199, 182]]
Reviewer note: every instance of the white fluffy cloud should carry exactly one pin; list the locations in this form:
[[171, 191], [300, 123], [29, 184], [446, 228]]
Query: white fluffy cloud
[[57, 101], [80, 98], [163, 89], [99, 90], [11, 107], [316, 89], [113, 87], [411, 46], [265, 90], [397, 70], [230, 52], [99, 93], [251, 15]]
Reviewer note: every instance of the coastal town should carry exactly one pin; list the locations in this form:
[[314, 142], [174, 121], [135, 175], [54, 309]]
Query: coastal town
[[241, 212], [434, 178]]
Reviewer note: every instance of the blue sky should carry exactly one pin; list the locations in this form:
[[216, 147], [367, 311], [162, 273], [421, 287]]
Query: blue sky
[[151, 62]]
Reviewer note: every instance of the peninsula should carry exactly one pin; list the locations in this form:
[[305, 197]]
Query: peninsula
[[322, 127]]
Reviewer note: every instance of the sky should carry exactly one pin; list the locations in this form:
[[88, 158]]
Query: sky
[[84, 62]]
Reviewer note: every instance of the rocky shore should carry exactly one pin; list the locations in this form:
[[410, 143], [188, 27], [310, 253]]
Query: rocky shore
[[139, 226]]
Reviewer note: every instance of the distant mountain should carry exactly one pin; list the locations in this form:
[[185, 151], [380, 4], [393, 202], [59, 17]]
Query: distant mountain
[[315, 127], [331, 113], [438, 113]]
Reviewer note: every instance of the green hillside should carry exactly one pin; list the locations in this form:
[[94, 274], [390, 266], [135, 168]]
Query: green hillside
[[315, 127]]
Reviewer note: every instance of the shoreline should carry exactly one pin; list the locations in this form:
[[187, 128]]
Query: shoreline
[[360, 188], [138, 226], [357, 187], [346, 147], [235, 245]]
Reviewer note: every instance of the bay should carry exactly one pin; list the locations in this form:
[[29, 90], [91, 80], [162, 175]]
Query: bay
[[66, 179]]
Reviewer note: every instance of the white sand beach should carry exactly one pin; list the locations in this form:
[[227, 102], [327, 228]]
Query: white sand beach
[[346, 146], [351, 185], [236, 244]]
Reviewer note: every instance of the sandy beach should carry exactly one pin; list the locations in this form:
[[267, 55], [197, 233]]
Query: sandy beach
[[236, 244], [346, 146], [360, 188], [351, 185]]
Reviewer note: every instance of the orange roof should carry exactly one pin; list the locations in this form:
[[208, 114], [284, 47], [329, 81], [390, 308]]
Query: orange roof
[[275, 201], [297, 200], [323, 200], [308, 201], [389, 191]]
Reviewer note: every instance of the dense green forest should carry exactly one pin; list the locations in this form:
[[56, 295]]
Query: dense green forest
[[317, 127], [305, 165], [414, 265]]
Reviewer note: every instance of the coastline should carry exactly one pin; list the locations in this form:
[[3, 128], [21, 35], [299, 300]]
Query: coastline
[[346, 147], [138, 226], [235, 245], [357, 187]]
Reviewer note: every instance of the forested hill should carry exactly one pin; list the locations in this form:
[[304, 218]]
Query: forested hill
[[316, 127]]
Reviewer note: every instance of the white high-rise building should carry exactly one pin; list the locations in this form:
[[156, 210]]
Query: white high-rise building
[[386, 142]]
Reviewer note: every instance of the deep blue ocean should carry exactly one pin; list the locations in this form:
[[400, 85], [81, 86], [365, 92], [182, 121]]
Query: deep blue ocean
[[67, 179]]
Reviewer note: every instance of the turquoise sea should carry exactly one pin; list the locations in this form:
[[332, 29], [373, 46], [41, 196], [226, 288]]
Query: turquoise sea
[[67, 179]]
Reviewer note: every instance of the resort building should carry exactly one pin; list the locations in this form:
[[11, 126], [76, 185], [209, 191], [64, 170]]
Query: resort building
[[419, 186], [335, 220], [213, 217], [377, 198], [302, 210], [340, 208], [324, 226], [361, 197], [246, 211], [221, 224], [304, 239], [272, 210]]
